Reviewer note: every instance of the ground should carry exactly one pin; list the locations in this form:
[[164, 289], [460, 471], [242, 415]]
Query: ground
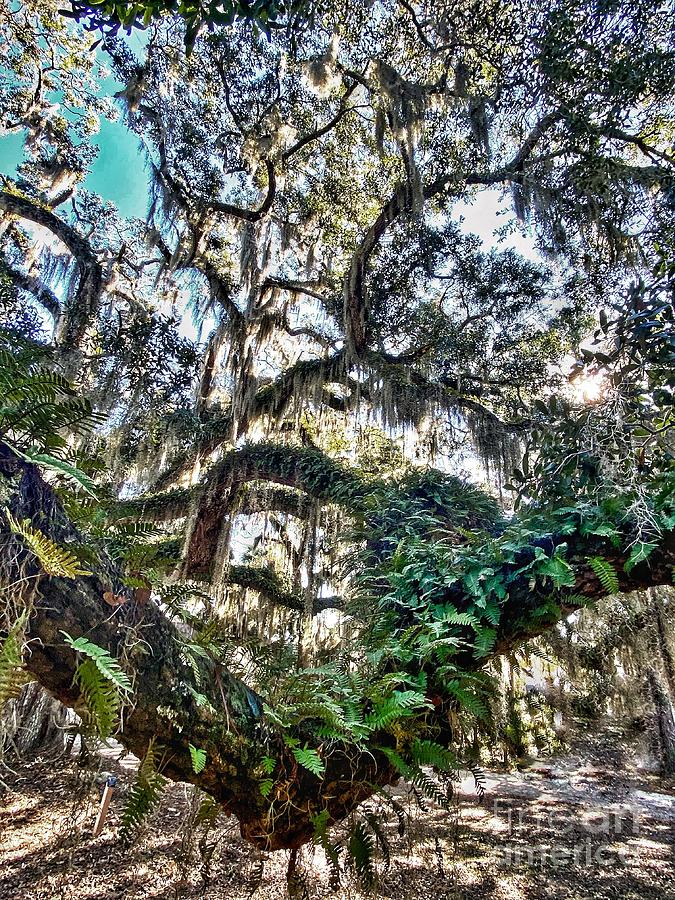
[[590, 824]]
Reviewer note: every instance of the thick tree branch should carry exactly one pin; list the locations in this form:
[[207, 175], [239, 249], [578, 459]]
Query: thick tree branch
[[302, 468], [44, 296], [174, 702], [525, 615], [267, 583], [249, 215], [176, 504], [201, 703], [84, 306]]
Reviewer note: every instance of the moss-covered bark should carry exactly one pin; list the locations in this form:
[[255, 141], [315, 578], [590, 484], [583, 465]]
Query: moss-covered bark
[[180, 700]]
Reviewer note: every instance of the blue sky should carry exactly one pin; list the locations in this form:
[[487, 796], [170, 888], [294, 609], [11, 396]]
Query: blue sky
[[118, 174]]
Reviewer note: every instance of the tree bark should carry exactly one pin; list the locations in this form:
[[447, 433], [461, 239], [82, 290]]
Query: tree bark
[[81, 311], [175, 702], [33, 723], [178, 702]]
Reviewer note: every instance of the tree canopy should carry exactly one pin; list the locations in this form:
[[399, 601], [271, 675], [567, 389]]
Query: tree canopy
[[288, 463]]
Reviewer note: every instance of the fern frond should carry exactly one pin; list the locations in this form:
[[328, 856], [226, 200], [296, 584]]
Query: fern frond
[[12, 674], [100, 697], [605, 573], [54, 560], [421, 782], [429, 753], [332, 849], [68, 471], [143, 797], [107, 665], [309, 759], [207, 813], [430, 788], [398, 810], [478, 780], [467, 699], [397, 761], [380, 837], [265, 787], [197, 758], [399, 705], [269, 764], [360, 852]]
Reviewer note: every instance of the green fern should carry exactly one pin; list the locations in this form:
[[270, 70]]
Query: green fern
[[381, 838], [605, 573], [12, 674], [100, 697], [207, 813], [37, 403], [401, 704], [417, 777], [361, 853], [54, 560], [467, 699], [107, 665], [397, 809], [429, 753], [265, 787], [101, 682], [143, 797], [478, 780], [68, 471], [401, 765], [639, 553], [268, 764], [332, 849], [198, 758], [308, 758], [430, 788]]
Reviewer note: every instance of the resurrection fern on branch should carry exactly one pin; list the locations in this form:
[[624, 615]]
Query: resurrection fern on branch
[[100, 697], [198, 758], [107, 665], [361, 853], [605, 573]]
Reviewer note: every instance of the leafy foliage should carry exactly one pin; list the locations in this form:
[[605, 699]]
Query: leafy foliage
[[53, 559], [104, 662], [606, 574], [361, 853], [198, 758], [12, 673], [100, 697], [38, 405], [307, 757], [144, 795], [266, 14], [101, 682]]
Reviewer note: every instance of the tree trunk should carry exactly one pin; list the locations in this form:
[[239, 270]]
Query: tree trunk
[[33, 724], [179, 703], [174, 702]]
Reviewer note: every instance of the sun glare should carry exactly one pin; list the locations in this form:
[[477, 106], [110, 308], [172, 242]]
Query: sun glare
[[587, 388]]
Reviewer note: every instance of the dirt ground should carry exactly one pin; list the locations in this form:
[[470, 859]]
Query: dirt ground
[[590, 824]]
